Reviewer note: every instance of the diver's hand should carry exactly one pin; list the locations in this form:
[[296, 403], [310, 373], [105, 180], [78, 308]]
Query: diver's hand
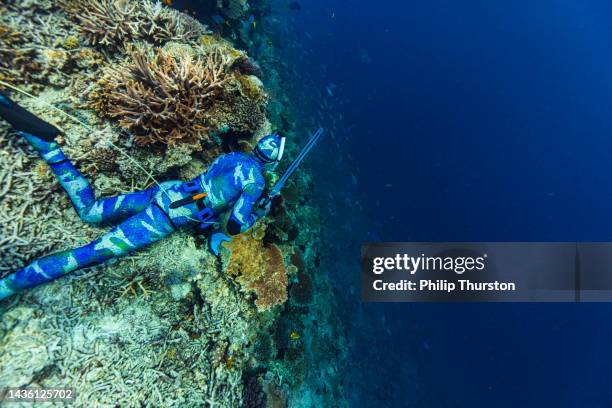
[[216, 239], [263, 208]]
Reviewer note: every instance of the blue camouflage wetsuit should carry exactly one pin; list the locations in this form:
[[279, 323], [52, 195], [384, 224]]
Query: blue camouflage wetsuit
[[234, 181]]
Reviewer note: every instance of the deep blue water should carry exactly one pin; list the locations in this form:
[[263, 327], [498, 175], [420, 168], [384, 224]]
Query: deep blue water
[[470, 121]]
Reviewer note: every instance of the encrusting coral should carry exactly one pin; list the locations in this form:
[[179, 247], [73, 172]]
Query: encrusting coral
[[111, 23], [241, 106], [161, 97], [258, 268]]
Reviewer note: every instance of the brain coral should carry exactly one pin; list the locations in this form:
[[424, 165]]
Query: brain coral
[[259, 269]]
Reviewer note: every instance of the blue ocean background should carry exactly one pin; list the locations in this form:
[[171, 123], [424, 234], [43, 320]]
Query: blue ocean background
[[461, 121]]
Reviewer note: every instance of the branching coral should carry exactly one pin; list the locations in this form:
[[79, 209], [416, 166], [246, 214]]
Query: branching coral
[[259, 269], [105, 22], [29, 207], [17, 58], [111, 23], [162, 97]]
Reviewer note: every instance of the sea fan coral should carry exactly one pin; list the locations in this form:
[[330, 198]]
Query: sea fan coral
[[259, 269], [162, 97], [111, 23]]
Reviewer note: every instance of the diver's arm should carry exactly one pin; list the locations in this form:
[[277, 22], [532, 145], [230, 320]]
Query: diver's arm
[[243, 214]]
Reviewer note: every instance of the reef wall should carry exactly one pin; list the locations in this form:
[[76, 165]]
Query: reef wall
[[150, 94]]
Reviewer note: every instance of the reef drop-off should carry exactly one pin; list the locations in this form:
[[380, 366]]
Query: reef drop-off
[[153, 94]]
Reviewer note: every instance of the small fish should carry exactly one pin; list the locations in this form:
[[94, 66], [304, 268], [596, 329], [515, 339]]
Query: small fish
[[295, 336], [364, 56], [217, 19], [250, 22], [294, 5], [167, 2], [330, 89]]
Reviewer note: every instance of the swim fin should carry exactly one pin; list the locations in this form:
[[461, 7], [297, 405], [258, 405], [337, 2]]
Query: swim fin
[[24, 121]]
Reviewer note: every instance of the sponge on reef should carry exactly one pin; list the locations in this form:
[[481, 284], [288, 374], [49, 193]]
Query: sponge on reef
[[258, 268]]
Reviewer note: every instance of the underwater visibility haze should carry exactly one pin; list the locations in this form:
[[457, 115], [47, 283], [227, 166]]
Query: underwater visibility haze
[[466, 121], [141, 264]]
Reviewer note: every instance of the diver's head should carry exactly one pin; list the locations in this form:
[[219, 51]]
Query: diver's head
[[269, 151]]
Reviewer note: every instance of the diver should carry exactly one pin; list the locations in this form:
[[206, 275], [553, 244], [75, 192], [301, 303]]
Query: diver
[[234, 182]]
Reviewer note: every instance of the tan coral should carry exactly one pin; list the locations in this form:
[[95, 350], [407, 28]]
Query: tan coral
[[103, 22], [111, 23], [242, 106], [17, 57], [160, 97], [258, 268]]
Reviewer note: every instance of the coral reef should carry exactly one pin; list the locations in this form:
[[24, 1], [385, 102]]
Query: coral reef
[[253, 395], [233, 9], [17, 57], [301, 291], [258, 268], [32, 209], [171, 325], [161, 97], [111, 23], [242, 106], [249, 66]]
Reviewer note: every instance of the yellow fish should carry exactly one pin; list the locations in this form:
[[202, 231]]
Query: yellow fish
[[295, 335]]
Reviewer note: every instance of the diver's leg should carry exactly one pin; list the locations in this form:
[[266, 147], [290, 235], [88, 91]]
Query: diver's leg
[[24, 121], [40, 135], [135, 233], [81, 193]]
